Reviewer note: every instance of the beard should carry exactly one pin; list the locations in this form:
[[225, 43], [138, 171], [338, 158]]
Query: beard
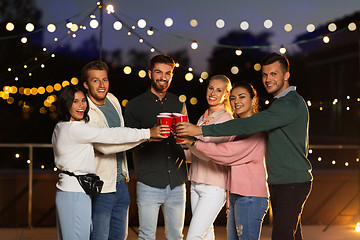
[[155, 84]]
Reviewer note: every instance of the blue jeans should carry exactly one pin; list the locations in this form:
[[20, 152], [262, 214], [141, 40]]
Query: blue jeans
[[246, 217], [110, 214], [172, 203], [73, 215]]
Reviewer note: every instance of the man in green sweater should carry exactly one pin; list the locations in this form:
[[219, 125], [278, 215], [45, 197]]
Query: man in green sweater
[[287, 123]]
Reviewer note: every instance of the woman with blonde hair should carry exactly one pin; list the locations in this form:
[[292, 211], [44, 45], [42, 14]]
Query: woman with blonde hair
[[208, 179], [247, 174]]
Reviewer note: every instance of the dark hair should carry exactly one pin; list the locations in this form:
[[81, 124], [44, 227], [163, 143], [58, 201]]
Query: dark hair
[[65, 101], [162, 59], [94, 65], [251, 90], [276, 57]]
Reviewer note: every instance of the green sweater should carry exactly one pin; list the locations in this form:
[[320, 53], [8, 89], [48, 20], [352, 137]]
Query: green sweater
[[287, 123]]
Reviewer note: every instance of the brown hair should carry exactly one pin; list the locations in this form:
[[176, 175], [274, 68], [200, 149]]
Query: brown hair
[[162, 59], [276, 57], [94, 65], [253, 94]]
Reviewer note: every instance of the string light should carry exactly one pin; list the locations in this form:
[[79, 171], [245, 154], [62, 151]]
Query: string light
[[332, 27], [168, 22], [110, 9], [194, 45], [10, 26], [141, 23], [193, 22], [310, 27], [220, 23], [29, 27], [288, 27], [244, 25], [268, 23], [282, 50], [326, 39], [150, 32]]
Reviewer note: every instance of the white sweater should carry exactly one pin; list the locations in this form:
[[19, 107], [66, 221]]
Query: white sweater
[[73, 150]]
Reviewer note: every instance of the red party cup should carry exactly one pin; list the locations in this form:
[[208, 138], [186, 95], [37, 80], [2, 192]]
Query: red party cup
[[180, 118], [170, 115], [165, 120]]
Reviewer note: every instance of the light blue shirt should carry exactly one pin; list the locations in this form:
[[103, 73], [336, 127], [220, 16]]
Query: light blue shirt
[[286, 91]]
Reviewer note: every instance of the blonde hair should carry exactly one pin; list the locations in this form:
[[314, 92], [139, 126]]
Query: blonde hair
[[227, 81]]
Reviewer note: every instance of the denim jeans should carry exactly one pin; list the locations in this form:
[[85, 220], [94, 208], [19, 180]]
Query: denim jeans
[[246, 216], [206, 203], [110, 214], [172, 203], [287, 202], [73, 215]]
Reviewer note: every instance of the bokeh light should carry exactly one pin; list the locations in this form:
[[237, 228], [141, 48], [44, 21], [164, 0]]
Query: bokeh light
[[142, 73], [10, 26], [24, 40], [238, 52], [94, 23], [117, 25], [220, 23], [352, 26], [127, 70], [182, 98], [288, 27], [29, 27], [124, 102], [234, 70], [310, 27], [204, 75], [257, 67], [193, 22], [189, 76], [268, 23], [194, 45], [168, 22], [193, 101], [141, 23], [74, 81], [332, 27], [326, 39], [244, 25]]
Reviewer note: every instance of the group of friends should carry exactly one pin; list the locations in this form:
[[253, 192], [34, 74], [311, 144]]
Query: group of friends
[[238, 155]]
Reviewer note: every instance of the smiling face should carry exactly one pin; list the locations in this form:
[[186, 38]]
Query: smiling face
[[275, 78], [216, 92], [241, 102], [97, 85], [160, 76], [78, 107]]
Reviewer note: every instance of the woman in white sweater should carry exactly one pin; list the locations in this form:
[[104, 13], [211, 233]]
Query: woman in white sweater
[[72, 141]]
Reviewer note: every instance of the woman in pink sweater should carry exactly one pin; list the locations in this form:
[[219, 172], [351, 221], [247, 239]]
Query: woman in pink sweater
[[246, 158], [208, 179]]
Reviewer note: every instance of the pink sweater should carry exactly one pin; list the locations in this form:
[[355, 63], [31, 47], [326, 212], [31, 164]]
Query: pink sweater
[[246, 157], [204, 171]]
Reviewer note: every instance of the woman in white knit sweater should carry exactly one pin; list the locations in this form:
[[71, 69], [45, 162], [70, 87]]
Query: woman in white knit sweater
[[73, 151]]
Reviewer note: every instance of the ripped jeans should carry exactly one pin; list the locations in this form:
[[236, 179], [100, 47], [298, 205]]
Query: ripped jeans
[[246, 216]]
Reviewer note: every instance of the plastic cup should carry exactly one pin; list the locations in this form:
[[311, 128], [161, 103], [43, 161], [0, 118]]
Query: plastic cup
[[165, 120], [180, 118], [166, 113]]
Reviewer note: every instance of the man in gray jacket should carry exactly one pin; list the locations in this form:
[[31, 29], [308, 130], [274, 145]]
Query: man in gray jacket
[[110, 208]]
